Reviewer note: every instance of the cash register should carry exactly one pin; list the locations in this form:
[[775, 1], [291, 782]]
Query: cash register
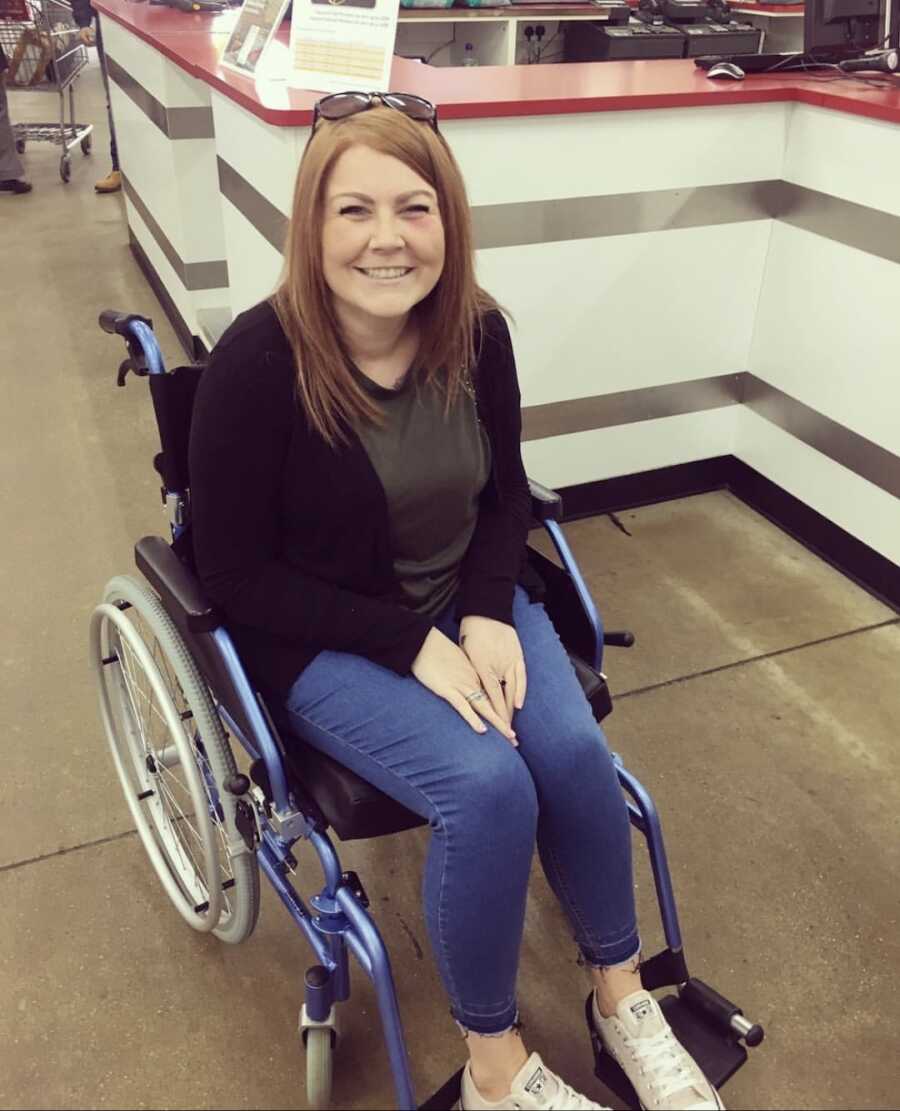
[[662, 29]]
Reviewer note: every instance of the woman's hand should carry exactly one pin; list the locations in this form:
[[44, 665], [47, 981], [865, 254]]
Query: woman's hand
[[444, 668], [86, 35], [496, 654]]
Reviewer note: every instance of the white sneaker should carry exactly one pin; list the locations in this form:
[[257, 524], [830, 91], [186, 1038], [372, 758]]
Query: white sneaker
[[662, 1072], [534, 1088]]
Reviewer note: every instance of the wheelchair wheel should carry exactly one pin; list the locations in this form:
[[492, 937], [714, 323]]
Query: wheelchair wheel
[[319, 1067], [173, 760]]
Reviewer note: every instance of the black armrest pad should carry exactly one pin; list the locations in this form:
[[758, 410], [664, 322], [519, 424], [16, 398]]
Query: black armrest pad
[[176, 585], [546, 504]]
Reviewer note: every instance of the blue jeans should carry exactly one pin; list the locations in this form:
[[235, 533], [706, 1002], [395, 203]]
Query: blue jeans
[[486, 803]]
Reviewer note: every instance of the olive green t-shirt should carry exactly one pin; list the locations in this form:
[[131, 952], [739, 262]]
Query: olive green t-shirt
[[433, 468]]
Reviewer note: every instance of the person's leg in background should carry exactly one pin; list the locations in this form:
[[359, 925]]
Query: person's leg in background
[[11, 170], [112, 183]]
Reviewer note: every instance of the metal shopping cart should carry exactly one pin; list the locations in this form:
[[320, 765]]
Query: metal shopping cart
[[40, 40]]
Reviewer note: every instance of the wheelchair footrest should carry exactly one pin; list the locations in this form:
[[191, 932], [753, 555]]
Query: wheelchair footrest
[[446, 1097], [719, 1055]]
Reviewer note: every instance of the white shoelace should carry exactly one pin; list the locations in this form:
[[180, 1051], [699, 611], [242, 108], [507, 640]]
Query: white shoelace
[[661, 1059], [569, 1098]]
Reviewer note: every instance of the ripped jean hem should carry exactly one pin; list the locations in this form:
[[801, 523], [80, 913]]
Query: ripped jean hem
[[615, 956], [498, 1031]]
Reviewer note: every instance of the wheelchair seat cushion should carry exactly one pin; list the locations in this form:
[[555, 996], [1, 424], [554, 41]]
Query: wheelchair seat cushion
[[352, 806]]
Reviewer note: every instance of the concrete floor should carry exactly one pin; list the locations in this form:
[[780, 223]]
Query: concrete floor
[[760, 705]]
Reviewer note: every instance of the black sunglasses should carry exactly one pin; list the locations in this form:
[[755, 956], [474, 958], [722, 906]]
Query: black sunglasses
[[338, 106]]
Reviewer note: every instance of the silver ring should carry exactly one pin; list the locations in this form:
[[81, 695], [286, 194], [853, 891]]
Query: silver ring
[[475, 696]]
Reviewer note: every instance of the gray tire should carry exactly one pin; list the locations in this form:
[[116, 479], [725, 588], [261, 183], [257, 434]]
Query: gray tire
[[173, 759]]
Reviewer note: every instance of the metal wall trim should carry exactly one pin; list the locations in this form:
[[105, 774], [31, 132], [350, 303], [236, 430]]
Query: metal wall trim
[[269, 221], [192, 275], [854, 225], [584, 414], [842, 445], [529, 222], [174, 123], [864, 457]]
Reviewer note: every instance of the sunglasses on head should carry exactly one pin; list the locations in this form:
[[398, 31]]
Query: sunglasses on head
[[338, 106]]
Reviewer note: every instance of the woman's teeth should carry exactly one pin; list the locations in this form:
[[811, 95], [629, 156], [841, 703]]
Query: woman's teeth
[[386, 271]]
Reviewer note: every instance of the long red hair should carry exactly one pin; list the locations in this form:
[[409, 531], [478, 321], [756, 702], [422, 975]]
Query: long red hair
[[448, 317]]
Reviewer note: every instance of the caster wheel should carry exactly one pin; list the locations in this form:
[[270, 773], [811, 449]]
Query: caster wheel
[[65, 170], [86, 145], [319, 1067], [20, 146]]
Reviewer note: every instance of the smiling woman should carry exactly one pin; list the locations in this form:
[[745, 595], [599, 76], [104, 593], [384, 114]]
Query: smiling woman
[[366, 419], [389, 278]]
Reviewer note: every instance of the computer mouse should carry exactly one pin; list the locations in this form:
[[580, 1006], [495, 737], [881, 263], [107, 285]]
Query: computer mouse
[[726, 69]]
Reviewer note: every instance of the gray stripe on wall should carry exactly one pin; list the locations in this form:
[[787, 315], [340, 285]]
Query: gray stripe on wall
[[527, 222], [841, 444], [269, 221], [175, 123], [583, 414], [855, 452], [854, 225], [193, 275]]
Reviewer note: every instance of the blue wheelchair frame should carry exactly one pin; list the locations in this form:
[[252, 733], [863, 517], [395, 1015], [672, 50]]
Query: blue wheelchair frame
[[338, 919]]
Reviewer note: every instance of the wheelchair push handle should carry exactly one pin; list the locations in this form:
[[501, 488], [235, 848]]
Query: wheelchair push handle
[[144, 355]]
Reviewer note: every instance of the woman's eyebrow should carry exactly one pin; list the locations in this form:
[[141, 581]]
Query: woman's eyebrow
[[402, 199]]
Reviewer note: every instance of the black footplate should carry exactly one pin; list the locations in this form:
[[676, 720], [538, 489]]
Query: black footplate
[[716, 1049], [446, 1097]]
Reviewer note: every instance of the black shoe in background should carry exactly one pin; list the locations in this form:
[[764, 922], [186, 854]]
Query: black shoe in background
[[15, 185]]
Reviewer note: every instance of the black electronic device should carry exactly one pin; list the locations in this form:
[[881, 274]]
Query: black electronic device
[[733, 37], [601, 42], [707, 25], [836, 29]]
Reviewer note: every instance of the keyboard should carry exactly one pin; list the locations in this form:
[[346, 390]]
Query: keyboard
[[762, 63]]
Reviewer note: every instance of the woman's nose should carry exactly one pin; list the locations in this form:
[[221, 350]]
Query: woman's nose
[[386, 234]]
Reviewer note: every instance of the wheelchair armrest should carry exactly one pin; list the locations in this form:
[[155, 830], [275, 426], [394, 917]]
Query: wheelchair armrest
[[176, 585], [546, 504]]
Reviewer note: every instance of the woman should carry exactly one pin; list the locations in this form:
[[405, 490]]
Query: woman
[[360, 514]]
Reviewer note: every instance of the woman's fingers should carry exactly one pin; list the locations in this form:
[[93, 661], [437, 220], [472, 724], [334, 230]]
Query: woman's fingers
[[465, 711], [482, 706], [521, 684], [495, 693], [509, 691]]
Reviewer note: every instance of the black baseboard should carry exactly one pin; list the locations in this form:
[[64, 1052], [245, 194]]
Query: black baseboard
[[193, 346], [871, 570]]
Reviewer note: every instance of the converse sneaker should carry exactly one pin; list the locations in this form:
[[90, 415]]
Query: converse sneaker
[[534, 1088], [662, 1072]]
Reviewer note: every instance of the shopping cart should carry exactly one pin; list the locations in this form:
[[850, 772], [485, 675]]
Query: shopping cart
[[40, 40]]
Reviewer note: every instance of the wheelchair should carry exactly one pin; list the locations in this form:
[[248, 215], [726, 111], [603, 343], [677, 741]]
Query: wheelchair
[[174, 697]]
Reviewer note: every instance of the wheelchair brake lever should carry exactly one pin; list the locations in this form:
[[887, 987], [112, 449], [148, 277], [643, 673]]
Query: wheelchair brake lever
[[135, 363]]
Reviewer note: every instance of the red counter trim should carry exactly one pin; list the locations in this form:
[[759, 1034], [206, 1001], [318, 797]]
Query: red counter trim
[[194, 42]]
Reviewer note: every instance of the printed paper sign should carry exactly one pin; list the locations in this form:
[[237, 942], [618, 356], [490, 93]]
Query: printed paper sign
[[342, 45], [257, 23]]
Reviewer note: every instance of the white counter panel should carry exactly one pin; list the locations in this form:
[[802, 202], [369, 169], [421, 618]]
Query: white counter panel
[[848, 156], [183, 298], [267, 157], [254, 265], [828, 331], [630, 448], [596, 316], [550, 157], [856, 505]]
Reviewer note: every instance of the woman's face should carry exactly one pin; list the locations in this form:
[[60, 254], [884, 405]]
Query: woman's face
[[382, 238]]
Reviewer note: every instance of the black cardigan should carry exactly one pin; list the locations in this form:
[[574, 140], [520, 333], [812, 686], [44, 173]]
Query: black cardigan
[[291, 536]]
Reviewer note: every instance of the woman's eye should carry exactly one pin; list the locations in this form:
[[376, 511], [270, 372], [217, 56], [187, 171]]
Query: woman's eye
[[352, 210], [418, 208]]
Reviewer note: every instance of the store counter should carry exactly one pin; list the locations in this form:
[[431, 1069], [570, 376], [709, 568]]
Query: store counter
[[696, 269]]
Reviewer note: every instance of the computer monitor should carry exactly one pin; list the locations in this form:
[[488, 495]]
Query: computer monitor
[[844, 27]]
